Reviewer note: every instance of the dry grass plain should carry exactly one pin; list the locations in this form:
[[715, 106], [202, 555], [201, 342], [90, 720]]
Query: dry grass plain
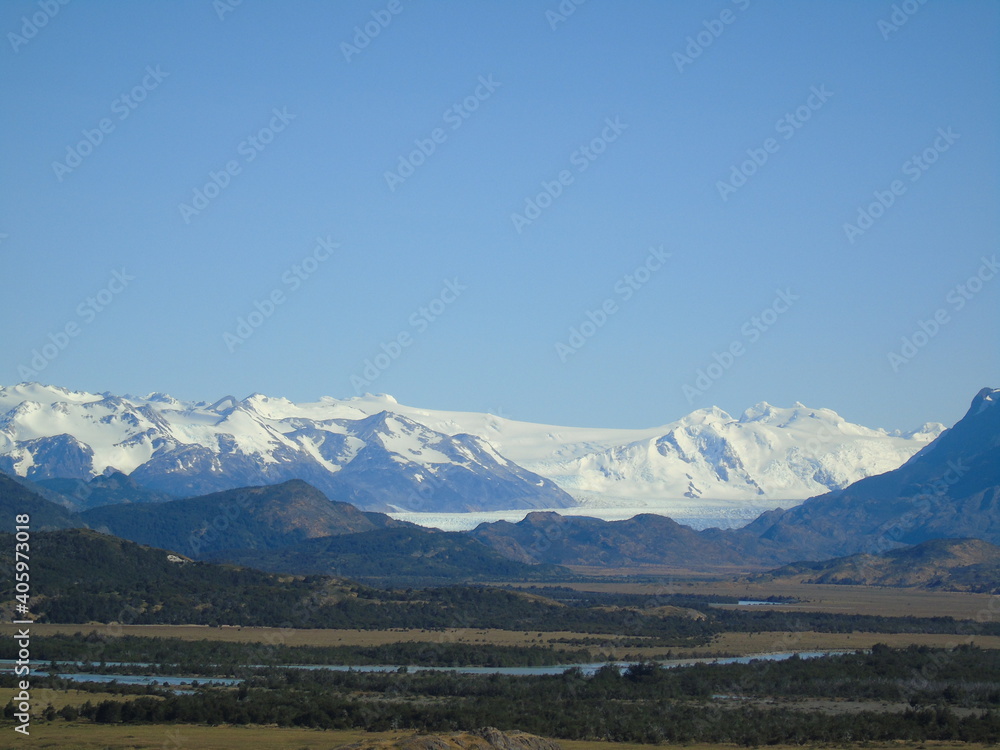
[[835, 599], [314, 637], [78, 736], [42, 697], [725, 644]]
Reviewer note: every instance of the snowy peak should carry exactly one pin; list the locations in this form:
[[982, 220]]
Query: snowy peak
[[987, 398], [160, 398], [765, 413], [769, 452], [710, 416], [927, 431], [399, 436], [44, 395]]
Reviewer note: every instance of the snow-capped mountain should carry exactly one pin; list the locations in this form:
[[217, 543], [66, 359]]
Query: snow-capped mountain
[[767, 452], [707, 465], [378, 461], [379, 454]]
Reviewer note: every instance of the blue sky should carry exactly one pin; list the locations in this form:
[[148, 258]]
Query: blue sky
[[671, 181]]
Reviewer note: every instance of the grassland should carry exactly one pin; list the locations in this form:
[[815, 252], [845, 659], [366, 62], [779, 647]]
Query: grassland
[[833, 599], [42, 697], [83, 736], [314, 637], [79, 736]]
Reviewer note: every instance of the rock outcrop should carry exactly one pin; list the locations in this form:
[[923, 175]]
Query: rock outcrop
[[487, 738]]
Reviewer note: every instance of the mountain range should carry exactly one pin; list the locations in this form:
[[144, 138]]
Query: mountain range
[[381, 455], [377, 461], [949, 490]]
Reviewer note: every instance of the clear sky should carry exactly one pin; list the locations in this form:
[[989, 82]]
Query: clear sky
[[450, 197]]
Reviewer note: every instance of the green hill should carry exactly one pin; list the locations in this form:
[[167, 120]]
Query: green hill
[[250, 518], [79, 575], [642, 540], [407, 555]]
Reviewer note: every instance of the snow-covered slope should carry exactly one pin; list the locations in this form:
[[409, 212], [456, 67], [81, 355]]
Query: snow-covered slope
[[380, 454], [767, 453], [378, 461]]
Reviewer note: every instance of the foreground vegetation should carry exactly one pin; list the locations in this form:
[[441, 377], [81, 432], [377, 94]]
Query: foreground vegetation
[[891, 694], [87, 736], [931, 694]]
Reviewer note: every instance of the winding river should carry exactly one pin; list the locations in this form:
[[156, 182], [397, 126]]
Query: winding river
[[589, 669]]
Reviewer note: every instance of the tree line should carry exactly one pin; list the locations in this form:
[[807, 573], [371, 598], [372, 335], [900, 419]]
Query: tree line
[[641, 703]]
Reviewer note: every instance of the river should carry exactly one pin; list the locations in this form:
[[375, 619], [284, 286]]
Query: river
[[589, 668]]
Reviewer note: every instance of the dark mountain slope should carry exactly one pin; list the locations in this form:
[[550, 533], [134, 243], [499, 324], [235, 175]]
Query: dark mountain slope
[[950, 489], [109, 489], [403, 555], [642, 540], [946, 564], [16, 499], [252, 518]]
